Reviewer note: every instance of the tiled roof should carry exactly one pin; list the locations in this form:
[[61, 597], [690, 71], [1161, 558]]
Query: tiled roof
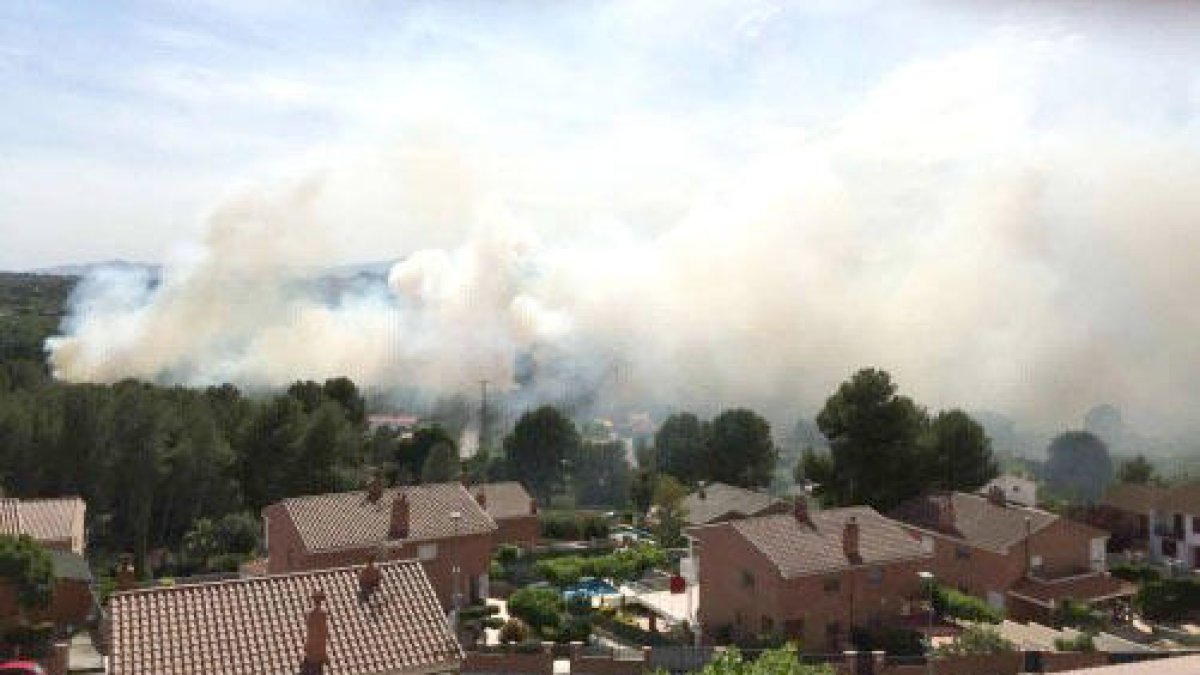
[[51, 519], [977, 521], [1132, 497], [258, 625], [350, 519], [718, 501], [1171, 665], [799, 549], [1096, 586], [10, 517], [504, 500]]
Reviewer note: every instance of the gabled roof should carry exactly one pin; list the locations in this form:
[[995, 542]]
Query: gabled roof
[[10, 517], [717, 501], [45, 520], [257, 625], [1137, 498], [976, 520], [52, 519], [1091, 587], [798, 548], [504, 500], [350, 519]]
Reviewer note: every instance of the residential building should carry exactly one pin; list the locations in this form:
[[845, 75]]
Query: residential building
[[440, 524], [364, 620], [1017, 490], [56, 523], [1020, 559], [718, 502], [58, 526], [1166, 518], [807, 576], [514, 511]]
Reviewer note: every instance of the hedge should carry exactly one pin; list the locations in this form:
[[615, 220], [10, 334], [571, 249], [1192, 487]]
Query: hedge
[[1169, 599], [949, 602]]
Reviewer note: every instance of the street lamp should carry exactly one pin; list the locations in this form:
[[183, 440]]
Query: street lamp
[[927, 580], [456, 598]]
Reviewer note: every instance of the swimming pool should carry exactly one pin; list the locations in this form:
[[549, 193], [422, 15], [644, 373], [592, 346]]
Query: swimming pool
[[589, 588]]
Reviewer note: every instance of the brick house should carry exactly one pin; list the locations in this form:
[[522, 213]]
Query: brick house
[[58, 526], [364, 620], [514, 511], [717, 502], [808, 576], [1165, 520], [1019, 558], [440, 524]]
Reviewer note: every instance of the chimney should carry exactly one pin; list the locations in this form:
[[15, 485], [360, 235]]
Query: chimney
[[126, 575], [464, 478], [996, 496], [316, 638], [850, 537], [701, 493], [481, 497], [369, 578], [800, 509], [374, 489], [533, 505], [398, 528]]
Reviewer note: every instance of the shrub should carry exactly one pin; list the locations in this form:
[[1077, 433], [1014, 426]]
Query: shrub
[[507, 554], [514, 630], [494, 622], [1080, 643], [976, 640], [539, 607], [1138, 574], [949, 602], [1169, 599], [27, 565], [1078, 614], [561, 571]]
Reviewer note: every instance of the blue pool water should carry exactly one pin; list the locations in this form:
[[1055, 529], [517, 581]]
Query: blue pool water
[[589, 588]]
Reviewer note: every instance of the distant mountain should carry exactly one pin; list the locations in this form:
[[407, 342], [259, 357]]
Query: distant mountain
[[84, 269]]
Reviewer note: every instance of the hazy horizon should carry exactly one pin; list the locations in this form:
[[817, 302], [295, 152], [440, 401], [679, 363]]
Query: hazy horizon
[[693, 203]]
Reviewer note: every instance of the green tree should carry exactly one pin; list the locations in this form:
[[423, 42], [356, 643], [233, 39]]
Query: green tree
[[779, 661], [814, 466], [344, 392], [541, 608], [267, 449], [741, 451], [1137, 470], [681, 447], [600, 474], [413, 450], [641, 490], [668, 503], [536, 448], [1078, 465], [329, 448], [442, 465], [873, 435], [28, 567], [956, 453]]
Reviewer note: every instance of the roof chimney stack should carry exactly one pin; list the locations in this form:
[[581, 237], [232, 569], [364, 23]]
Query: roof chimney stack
[[369, 578], [850, 540], [945, 512], [126, 575], [398, 528], [464, 478], [533, 505], [374, 489], [481, 497], [316, 638], [800, 509]]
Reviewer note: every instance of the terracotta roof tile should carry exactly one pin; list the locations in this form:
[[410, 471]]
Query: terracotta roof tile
[[258, 625], [350, 519], [52, 519], [1132, 497], [799, 549], [718, 501], [10, 517], [977, 521], [504, 500]]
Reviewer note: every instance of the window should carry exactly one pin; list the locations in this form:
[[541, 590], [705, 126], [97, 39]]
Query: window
[[1035, 561], [927, 543], [427, 551], [747, 579], [833, 585], [1195, 524], [875, 575], [962, 552], [1168, 548]]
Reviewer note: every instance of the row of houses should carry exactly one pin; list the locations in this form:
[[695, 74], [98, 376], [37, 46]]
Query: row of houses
[[764, 567]]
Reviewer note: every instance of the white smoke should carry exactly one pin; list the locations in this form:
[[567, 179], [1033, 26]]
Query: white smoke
[[940, 229]]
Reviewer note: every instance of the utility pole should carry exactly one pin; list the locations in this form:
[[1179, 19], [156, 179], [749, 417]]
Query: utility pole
[[483, 416]]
